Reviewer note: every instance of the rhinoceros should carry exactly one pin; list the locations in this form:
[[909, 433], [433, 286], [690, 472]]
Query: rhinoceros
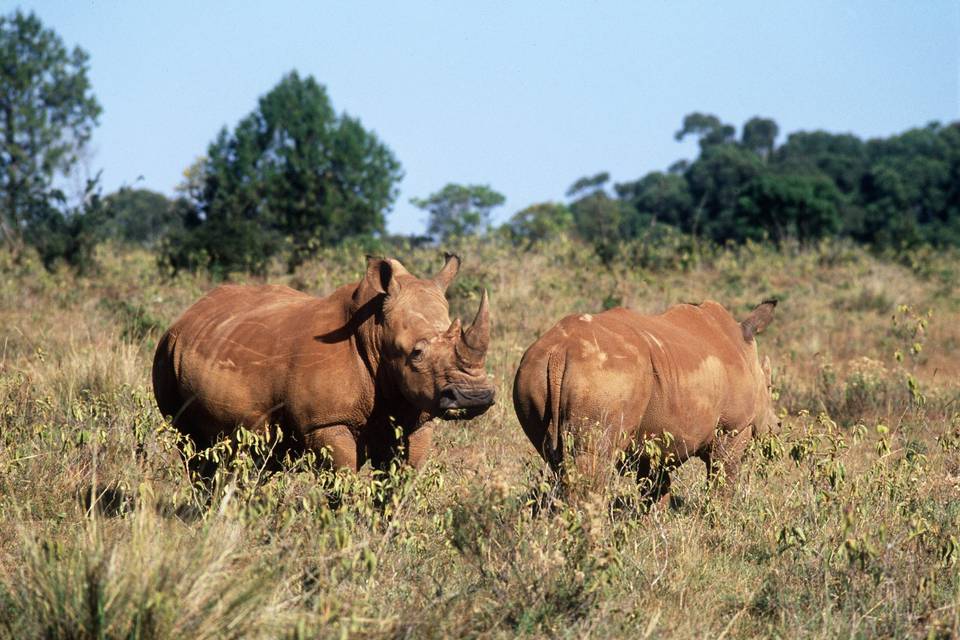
[[688, 381], [360, 373]]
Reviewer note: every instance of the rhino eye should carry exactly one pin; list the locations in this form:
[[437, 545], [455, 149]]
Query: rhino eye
[[417, 354]]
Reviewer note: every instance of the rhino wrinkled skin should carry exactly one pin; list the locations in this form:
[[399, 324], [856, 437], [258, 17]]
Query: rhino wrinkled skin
[[613, 381], [342, 373]]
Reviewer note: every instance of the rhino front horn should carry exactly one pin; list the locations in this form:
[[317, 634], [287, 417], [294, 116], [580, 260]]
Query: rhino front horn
[[472, 347]]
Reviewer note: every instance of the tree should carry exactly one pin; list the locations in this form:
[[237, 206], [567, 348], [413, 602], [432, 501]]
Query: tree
[[789, 206], [588, 184], [139, 216], [897, 191], [540, 221], [68, 234], [715, 181], [658, 198], [217, 225], [759, 135], [47, 115], [947, 226], [599, 220], [292, 174], [459, 210], [707, 128], [885, 215], [841, 157], [907, 187]]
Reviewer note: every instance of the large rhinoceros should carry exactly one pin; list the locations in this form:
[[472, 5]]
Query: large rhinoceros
[[615, 381], [346, 373]]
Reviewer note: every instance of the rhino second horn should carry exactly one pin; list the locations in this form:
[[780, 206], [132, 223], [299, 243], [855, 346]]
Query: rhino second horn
[[472, 347], [454, 330]]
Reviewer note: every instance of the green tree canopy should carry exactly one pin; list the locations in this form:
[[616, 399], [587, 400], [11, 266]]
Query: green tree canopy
[[658, 198], [707, 128], [540, 222], [47, 114], [895, 191], [715, 181], [68, 234], [759, 135], [601, 220], [139, 216], [841, 157], [588, 184], [459, 210], [293, 174], [788, 206]]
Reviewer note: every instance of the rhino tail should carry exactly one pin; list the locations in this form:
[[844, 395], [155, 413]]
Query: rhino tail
[[552, 445]]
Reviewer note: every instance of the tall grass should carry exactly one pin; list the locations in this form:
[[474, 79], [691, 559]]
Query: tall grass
[[145, 577]]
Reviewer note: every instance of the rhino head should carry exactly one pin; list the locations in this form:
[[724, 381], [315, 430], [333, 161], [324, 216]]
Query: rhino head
[[434, 363], [766, 420]]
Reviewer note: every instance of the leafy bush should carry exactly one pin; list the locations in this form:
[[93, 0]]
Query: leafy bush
[[68, 235]]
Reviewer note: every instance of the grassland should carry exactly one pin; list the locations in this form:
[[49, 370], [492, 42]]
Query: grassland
[[845, 524]]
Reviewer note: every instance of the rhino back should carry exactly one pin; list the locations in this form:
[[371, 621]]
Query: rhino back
[[248, 355]]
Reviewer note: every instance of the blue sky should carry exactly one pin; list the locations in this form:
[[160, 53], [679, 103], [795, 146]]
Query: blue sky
[[524, 96]]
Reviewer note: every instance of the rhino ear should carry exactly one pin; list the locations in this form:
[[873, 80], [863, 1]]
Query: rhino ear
[[758, 319], [381, 276], [451, 266]]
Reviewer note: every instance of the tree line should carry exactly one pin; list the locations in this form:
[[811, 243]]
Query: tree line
[[894, 192], [295, 175]]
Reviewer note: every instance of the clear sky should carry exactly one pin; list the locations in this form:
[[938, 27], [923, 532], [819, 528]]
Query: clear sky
[[525, 96]]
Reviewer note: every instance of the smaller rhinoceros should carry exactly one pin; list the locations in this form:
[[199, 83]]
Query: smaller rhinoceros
[[688, 381], [344, 373]]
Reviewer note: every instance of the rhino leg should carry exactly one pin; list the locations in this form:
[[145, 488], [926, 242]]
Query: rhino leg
[[419, 443], [654, 480], [412, 447], [725, 454], [339, 441], [202, 470]]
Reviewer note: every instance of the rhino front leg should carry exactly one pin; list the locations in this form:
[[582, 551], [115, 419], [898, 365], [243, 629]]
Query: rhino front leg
[[339, 441], [419, 445], [412, 447], [725, 455]]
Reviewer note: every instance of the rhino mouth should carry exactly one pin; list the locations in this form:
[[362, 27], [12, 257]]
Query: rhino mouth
[[462, 403]]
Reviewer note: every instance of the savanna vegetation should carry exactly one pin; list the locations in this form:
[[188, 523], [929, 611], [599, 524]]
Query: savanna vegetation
[[845, 523]]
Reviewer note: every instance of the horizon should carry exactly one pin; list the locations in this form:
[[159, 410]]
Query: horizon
[[474, 95]]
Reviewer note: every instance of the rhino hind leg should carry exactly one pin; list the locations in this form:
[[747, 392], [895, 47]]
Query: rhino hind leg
[[654, 482]]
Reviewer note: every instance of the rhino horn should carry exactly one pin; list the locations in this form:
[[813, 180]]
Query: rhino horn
[[472, 347], [454, 331]]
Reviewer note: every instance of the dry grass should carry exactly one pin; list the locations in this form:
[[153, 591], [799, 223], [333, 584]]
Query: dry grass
[[845, 524]]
